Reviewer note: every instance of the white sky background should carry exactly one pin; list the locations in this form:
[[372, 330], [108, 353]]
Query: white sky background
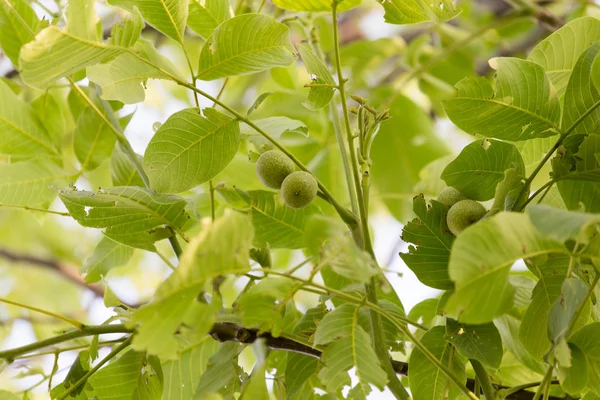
[[386, 238]]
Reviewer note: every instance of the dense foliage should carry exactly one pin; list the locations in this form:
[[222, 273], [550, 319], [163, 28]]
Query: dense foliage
[[244, 226]]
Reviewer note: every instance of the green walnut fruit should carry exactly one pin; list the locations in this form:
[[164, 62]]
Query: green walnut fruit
[[299, 189], [464, 214], [450, 196], [273, 167]]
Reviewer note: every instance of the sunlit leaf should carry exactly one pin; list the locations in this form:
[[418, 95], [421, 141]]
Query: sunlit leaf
[[573, 379], [183, 374], [586, 339], [315, 5], [29, 183], [260, 43], [189, 149], [107, 255], [559, 52], [55, 53], [13, 35], [132, 376], [220, 249], [124, 78], [480, 262], [480, 167], [521, 105], [318, 97], [413, 11], [205, 16], [21, 132], [133, 216], [167, 16]]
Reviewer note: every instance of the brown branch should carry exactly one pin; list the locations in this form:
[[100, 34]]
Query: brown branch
[[226, 331], [65, 271]]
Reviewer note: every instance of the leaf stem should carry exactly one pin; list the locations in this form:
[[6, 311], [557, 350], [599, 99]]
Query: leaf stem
[[364, 241], [165, 260], [92, 371], [529, 385], [176, 246], [543, 383], [558, 143], [77, 324], [88, 330], [116, 129], [484, 379], [211, 191], [64, 214]]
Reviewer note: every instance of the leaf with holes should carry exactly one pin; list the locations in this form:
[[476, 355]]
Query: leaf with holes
[[130, 215]]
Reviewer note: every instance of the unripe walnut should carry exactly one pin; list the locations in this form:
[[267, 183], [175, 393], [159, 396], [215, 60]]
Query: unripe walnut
[[464, 214], [299, 189], [273, 167], [450, 196]]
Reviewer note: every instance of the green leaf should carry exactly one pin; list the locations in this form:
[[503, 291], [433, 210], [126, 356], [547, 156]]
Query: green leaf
[[414, 11], [521, 105], [21, 132], [330, 240], [581, 94], [256, 387], [6, 395], [351, 348], [132, 376], [573, 379], [576, 193], [189, 149], [508, 326], [426, 380], [204, 17], [133, 216], [29, 183], [315, 5], [403, 145], [572, 295], [480, 262], [183, 374], [13, 35], [220, 249], [507, 192], [260, 43], [429, 258], [559, 52], [221, 372], [127, 32], [168, 17], [93, 140], [82, 19], [124, 78], [480, 167], [586, 339], [533, 331], [480, 342], [318, 97], [123, 171], [263, 304], [277, 224], [559, 224], [55, 54], [52, 110], [107, 255]]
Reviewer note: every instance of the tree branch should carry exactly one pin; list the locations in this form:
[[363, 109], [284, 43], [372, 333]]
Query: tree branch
[[67, 272], [226, 331]]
